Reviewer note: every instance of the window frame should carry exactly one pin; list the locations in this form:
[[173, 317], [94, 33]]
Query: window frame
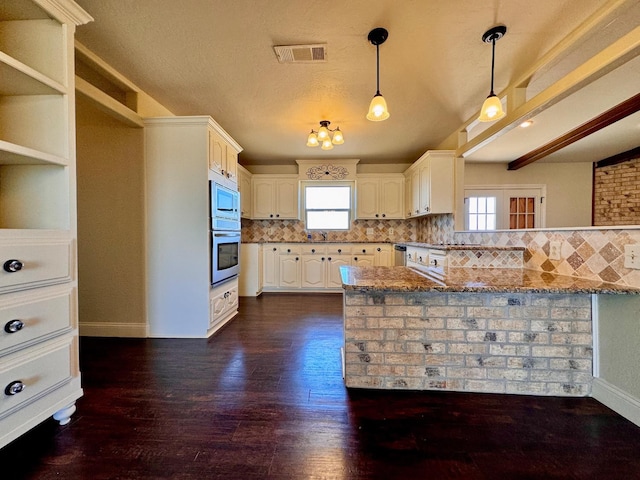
[[324, 183], [502, 194]]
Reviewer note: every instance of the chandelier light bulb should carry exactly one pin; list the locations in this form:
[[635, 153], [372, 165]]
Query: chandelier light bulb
[[338, 139], [326, 144], [312, 140]]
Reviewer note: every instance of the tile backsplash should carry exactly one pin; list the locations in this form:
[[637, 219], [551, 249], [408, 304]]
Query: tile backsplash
[[294, 231], [596, 254]]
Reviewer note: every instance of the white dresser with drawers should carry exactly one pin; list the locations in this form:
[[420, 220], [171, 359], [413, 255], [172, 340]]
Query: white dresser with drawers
[[39, 371]]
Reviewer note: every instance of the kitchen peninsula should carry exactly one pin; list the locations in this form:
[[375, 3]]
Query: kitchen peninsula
[[498, 330]]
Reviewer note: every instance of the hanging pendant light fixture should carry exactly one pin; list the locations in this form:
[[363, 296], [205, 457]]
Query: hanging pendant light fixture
[[325, 136], [378, 108], [492, 106]]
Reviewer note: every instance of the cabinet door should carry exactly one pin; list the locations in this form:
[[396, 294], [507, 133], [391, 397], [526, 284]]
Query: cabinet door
[[270, 266], [289, 271], [367, 190], [441, 184], [287, 199], [313, 271], [425, 188], [231, 164], [391, 198], [408, 197], [217, 153], [218, 305], [415, 192], [383, 256], [244, 187], [262, 198], [334, 280], [363, 260]]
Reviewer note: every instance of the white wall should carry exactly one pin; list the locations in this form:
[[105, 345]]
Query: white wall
[[569, 187], [110, 158], [618, 333]]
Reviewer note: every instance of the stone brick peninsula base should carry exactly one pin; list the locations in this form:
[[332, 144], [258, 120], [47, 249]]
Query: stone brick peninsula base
[[523, 343]]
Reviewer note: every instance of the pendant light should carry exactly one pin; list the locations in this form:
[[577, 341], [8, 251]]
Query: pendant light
[[378, 107], [492, 106]]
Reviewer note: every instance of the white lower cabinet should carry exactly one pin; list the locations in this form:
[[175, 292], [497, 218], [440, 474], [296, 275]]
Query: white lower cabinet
[[289, 266], [314, 266], [224, 304]]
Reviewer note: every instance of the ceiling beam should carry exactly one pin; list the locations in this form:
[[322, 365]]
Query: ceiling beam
[[620, 111], [619, 158]]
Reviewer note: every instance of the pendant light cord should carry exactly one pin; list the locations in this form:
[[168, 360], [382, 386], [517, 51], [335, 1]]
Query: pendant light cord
[[378, 69], [493, 61]]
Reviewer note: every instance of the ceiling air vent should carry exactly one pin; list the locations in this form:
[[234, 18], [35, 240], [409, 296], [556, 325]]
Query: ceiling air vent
[[301, 53]]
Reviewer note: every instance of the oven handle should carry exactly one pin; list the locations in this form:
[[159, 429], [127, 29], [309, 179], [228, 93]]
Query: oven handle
[[218, 234]]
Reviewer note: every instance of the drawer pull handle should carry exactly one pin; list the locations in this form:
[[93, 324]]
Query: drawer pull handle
[[12, 266], [14, 388], [13, 326]]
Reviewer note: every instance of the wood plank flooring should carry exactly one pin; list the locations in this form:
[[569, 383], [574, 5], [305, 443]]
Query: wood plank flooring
[[264, 399]]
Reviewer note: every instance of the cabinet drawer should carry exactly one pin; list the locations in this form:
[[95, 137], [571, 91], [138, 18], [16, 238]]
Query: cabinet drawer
[[40, 315], [290, 250], [39, 264], [313, 249], [40, 373], [339, 250]]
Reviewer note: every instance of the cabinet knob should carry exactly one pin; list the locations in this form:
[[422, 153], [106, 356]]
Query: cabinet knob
[[313, 250], [377, 215], [329, 258], [271, 215], [427, 209], [13, 266], [364, 250], [417, 211], [322, 259], [355, 258], [419, 259], [13, 326], [288, 250], [379, 249], [297, 259], [339, 250], [14, 388], [277, 215], [384, 215], [275, 249]]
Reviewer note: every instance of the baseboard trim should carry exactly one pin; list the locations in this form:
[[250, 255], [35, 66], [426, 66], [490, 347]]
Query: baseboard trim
[[616, 399], [104, 329]]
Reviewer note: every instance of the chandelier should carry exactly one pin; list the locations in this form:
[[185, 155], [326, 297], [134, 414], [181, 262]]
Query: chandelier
[[325, 136]]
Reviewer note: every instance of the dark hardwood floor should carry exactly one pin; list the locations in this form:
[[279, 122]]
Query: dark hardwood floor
[[264, 399]]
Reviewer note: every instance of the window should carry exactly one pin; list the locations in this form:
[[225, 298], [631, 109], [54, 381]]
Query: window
[[504, 207], [327, 206]]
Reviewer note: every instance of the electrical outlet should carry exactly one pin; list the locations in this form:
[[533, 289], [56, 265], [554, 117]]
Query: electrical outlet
[[391, 231], [369, 231], [554, 250], [632, 256]]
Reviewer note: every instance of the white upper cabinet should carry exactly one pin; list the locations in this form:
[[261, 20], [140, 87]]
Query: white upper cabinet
[[274, 197], [380, 197], [244, 187], [223, 157], [431, 181]]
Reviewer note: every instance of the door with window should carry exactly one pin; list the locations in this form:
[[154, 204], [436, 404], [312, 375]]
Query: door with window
[[504, 208]]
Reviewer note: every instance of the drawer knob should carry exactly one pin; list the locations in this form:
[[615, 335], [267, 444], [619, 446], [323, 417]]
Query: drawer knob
[[13, 326], [13, 266], [313, 250], [14, 388]]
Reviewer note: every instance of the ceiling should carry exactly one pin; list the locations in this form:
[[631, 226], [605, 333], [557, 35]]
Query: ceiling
[[216, 57]]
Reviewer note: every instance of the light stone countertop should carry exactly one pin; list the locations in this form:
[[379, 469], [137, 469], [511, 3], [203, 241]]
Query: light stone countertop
[[481, 280]]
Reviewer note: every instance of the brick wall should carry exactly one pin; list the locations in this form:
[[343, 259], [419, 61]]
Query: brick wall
[[617, 194], [500, 343]]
